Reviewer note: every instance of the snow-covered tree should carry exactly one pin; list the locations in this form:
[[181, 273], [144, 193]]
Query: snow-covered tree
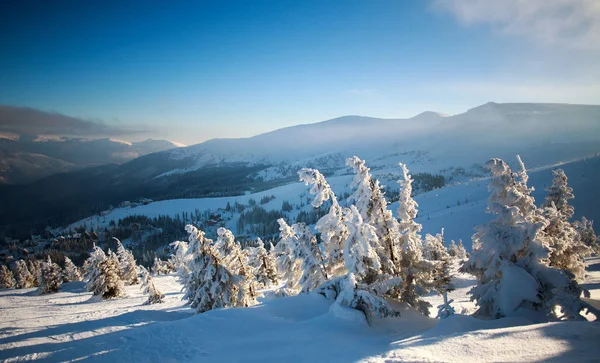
[[331, 226], [180, 250], [159, 267], [71, 272], [457, 250], [435, 252], [586, 234], [92, 268], [225, 243], [237, 261], [148, 287], [50, 277], [371, 203], [207, 282], [433, 247], [129, 269], [511, 264], [7, 280], [416, 273], [290, 267], [34, 266], [559, 194], [308, 251], [445, 310], [22, 275], [266, 266]]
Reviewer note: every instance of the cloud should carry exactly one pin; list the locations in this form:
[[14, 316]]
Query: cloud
[[32, 122], [572, 23], [362, 92]]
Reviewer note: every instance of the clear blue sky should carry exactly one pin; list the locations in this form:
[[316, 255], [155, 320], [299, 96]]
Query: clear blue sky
[[193, 70]]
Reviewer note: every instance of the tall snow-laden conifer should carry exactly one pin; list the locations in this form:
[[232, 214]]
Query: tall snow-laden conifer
[[71, 272], [266, 267], [179, 252], [559, 194], [331, 226], [50, 277], [7, 280], [372, 205], [129, 269], [92, 268], [290, 267], [22, 275], [108, 282], [511, 264], [416, 273], [306, 249], [237, 261]]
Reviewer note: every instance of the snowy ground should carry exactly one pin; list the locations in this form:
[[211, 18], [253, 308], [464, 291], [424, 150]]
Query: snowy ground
[[73, 326]]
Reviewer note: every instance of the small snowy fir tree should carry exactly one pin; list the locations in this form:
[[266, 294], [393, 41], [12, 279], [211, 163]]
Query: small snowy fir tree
[[362, 288], [586, 234], [148, 288], [290, 267], [159, 267], [457, 250], [370, 201], [308, 251], [91, 268], [266, 267], [237, 262], [511, 264], [445, 310], [559, 194], [109, 282], [435, 252], [7, 280], [34, 266], [129, 269], [50, 277], [416, 272], [71, 272], [209, 283], [179, 252], [22, 275], [331, 226]]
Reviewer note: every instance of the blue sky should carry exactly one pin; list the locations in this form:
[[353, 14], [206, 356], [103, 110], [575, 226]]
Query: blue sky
[[194, 70]]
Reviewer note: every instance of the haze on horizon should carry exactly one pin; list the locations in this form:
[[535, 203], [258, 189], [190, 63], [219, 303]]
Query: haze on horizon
[[191, 71]]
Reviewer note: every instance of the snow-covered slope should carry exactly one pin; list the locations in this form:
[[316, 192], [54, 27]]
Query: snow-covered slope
[[72, 326]]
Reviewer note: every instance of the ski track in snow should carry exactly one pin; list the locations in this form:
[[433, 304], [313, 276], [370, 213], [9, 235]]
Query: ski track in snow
[[73, 326]]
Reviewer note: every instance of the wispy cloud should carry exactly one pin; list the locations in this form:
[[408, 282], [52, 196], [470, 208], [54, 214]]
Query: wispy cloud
[[32, 122], [572, 23]]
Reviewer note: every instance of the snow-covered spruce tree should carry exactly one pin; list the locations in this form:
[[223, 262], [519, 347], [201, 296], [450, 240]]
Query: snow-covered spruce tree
[[308, 251], [109, 283], [91, 268], [50, 277], [567, 251], [331, 226], [363, 287], [71, 272], [22, 275], [7, 280], [416, 272], [148, 288], [511, 264], [266, 267], [159, 267], [179, 252], [237, 261], [289, 266], [559, 194], [435, 252], [461, 251], [209, 284], [225, 243], [586, 234], [129, 269], [370, 201], [34, 266]]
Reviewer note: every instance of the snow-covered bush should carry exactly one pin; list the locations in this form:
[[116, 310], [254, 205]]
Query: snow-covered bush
[[22, 275], [50, 277], [91, 268], [34, 266], [265, 267], [159, 267], [148, 288], [71, 272], [289, 266], [7, 280], [104, 274], [586, 234], [179, 252]]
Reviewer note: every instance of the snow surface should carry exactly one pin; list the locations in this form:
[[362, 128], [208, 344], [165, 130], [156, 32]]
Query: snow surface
[[73, 326]]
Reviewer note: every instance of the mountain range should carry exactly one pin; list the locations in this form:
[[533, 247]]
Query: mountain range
[[455, 147]]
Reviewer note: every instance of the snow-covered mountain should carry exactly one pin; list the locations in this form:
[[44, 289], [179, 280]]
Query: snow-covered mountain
[[541, 133]]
